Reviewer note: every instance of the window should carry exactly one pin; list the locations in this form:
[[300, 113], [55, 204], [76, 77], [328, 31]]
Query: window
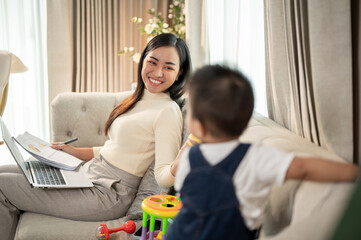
[[23, 32], [235, 31]]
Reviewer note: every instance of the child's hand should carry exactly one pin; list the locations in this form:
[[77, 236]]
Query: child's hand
[[192, 140]]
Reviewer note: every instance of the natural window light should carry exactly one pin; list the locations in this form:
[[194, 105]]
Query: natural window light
[[236, 37], [23, 32]]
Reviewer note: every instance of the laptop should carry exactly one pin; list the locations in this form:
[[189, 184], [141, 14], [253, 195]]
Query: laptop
[[41, 175]]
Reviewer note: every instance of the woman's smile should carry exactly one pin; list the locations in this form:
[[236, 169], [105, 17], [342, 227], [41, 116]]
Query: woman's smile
[[154, 81]]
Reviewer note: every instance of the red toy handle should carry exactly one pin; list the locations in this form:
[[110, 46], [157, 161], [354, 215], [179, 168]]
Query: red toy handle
[[128, 227]]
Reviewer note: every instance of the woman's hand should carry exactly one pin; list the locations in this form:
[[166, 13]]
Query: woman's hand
[[64, 147], [84, 154]]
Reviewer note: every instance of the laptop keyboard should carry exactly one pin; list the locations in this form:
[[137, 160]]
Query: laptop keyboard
[[47, 175]]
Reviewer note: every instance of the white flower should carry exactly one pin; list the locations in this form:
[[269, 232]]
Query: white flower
[[182, 30], [140, 20], [125, 49], [181, 18], [165, 30], [136, 57], [154, 26], [170, 16], [134, 19], [176, 3], [131, 49], [171, 6], [148, 28], [165, 25]]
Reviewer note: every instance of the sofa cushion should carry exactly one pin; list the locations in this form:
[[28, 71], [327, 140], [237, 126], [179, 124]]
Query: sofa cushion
[[279, 210], [320, 223], [147, 187], [42, 227]]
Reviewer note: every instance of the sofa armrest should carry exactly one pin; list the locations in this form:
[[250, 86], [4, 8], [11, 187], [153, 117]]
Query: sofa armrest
[[297, 206], [82, 115]]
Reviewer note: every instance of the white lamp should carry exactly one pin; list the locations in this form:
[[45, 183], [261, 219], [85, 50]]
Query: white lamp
[[9, 63]]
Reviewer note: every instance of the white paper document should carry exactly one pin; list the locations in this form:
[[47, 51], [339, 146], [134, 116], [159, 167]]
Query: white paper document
[[42, 151]]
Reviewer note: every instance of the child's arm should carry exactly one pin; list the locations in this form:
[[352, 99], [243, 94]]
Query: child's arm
[[191, 140], [317, 169]]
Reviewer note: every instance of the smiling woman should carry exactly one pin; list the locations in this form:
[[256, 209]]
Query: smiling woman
[[143, 130]]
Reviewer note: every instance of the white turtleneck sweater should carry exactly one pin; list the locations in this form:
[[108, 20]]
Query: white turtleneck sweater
[[151, 130]]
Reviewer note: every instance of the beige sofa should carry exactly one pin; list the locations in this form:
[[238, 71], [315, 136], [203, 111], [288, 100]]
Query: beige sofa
[[296, 210]]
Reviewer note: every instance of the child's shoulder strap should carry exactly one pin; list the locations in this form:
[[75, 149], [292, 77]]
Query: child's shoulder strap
[[196, 158], [232, 161], [229, 164]]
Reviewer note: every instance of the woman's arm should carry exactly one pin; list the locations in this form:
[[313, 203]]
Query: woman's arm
[[84, 154], [317, 169], [168, 137]]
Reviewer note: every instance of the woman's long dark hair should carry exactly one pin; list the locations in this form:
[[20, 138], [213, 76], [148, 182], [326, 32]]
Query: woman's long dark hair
[[175, 91]]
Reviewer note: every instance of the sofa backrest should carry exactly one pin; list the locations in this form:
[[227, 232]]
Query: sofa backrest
[[82, 115], [268, 132]]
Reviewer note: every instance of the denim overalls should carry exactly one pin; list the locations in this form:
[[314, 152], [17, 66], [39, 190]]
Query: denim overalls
[[210, 205]]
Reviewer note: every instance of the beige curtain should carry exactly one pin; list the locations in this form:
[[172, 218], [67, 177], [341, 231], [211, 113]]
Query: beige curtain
[[309, 70], [87, 35], [60, 46]]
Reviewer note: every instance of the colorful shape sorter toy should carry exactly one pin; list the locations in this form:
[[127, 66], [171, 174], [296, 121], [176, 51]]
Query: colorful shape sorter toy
[[159, 206]]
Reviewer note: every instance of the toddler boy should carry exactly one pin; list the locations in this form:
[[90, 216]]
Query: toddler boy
[[224, 184]]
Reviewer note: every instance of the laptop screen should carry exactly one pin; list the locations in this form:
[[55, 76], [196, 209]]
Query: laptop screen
[[14, 149]]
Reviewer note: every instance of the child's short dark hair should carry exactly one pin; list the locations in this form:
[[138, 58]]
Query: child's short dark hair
[[221, 99]]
